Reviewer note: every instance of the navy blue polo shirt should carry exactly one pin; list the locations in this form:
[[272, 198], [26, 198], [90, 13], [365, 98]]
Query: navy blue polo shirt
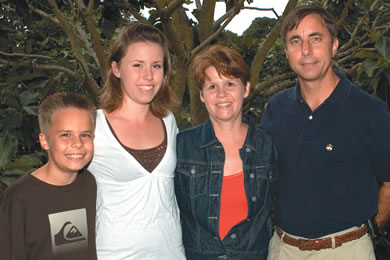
[[329, 158]]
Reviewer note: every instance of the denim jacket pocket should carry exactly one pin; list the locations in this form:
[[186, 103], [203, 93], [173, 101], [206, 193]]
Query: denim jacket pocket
[[193, 179], [265, 177]]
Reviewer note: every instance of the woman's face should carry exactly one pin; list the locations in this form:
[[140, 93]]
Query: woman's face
[[141, 72], [223, 96]]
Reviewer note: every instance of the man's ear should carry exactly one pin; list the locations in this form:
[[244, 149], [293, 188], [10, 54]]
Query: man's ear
[[335, 47], [43, 141], [115, 69], [247, 89]]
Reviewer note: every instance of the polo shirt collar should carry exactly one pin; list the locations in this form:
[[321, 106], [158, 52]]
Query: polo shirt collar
[[338, 95]]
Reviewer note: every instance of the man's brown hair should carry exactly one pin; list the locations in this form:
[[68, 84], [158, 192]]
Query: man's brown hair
[[295, 17]]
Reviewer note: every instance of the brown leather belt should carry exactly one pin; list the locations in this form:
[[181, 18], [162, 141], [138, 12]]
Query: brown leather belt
[[321, 243]]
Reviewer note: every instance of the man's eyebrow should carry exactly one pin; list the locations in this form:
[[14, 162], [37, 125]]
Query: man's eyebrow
[[315, 34], [293, 37], [296, 36]]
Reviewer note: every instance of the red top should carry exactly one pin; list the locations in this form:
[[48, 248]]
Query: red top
[[234, 206]]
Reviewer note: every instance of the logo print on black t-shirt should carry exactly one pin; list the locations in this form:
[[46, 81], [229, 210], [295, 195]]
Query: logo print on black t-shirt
[[69, 231], [68, 234]]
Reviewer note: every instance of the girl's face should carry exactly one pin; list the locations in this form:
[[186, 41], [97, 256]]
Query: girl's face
[[141, 72]]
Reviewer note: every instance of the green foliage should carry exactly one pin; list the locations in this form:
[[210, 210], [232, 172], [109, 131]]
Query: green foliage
[[11, 168], [383, 47], [376, 66], [33, 48]]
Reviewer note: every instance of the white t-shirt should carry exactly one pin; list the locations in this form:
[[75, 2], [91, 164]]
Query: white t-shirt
[[137, 214]]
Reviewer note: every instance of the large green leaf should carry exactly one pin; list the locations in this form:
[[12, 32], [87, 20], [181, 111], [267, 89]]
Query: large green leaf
[[8, 146], [370, 65], [15, 172], [27, 160], [26, 98], [366, 54], [10, 120], [31, 110], [383, 47]]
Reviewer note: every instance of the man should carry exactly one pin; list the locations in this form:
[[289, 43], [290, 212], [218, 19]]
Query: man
[[333, 141]]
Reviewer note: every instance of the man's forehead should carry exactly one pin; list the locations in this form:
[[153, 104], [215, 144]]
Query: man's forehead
[[310, 27]]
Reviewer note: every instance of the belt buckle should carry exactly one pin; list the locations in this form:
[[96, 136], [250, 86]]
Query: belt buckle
[[304, 244], [301, 243]]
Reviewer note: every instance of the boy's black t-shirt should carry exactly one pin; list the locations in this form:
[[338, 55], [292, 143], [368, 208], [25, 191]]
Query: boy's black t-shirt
[[42, 221]]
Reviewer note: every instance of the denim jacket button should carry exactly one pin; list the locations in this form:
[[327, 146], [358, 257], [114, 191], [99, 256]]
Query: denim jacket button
[[253, 198], [233, 236], [247, 150], [252, 175], [222, 257], [193, 171]]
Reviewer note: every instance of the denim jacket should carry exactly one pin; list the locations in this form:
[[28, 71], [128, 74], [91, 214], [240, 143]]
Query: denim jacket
[[198, 183]]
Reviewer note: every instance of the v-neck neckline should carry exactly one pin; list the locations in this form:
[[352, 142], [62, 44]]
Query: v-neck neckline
[[139, 165]]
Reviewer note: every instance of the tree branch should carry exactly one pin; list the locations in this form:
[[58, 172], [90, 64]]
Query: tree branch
[[31, 56], [166, 12], [229, 15], [278, 87], [75, 47], [262, 88], [99, 50], [232, 14], [357, 27], [32, 64], [44, 14], [262, 9], [344, 13], [262, 51]]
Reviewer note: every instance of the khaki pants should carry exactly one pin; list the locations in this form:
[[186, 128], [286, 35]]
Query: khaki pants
[[359, 249]]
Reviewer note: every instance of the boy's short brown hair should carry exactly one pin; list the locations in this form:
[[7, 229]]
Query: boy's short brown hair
[[62, 100], [226, 61]]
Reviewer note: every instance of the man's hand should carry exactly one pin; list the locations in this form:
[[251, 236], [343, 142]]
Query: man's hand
[[383, 205]]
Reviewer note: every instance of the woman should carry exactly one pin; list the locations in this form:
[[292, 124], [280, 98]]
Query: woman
[[135, 158], [225, 173]]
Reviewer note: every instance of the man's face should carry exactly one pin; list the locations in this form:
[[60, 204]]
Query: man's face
[[310, 48]]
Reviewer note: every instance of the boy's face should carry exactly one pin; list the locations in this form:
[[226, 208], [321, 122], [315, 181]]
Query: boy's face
[[69, 141]]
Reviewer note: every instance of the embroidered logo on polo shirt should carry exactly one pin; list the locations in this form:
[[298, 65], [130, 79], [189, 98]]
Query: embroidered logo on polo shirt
[[329, 147]]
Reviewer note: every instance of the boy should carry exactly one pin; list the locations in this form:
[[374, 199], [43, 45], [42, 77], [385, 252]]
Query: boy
[[50, 213]]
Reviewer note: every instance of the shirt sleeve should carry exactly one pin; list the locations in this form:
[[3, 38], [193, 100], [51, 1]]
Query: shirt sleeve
[[267, 117], [12, 237], [379, 142]]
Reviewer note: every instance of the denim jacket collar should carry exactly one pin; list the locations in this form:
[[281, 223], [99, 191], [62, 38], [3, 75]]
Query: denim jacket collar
[[209, 138]]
